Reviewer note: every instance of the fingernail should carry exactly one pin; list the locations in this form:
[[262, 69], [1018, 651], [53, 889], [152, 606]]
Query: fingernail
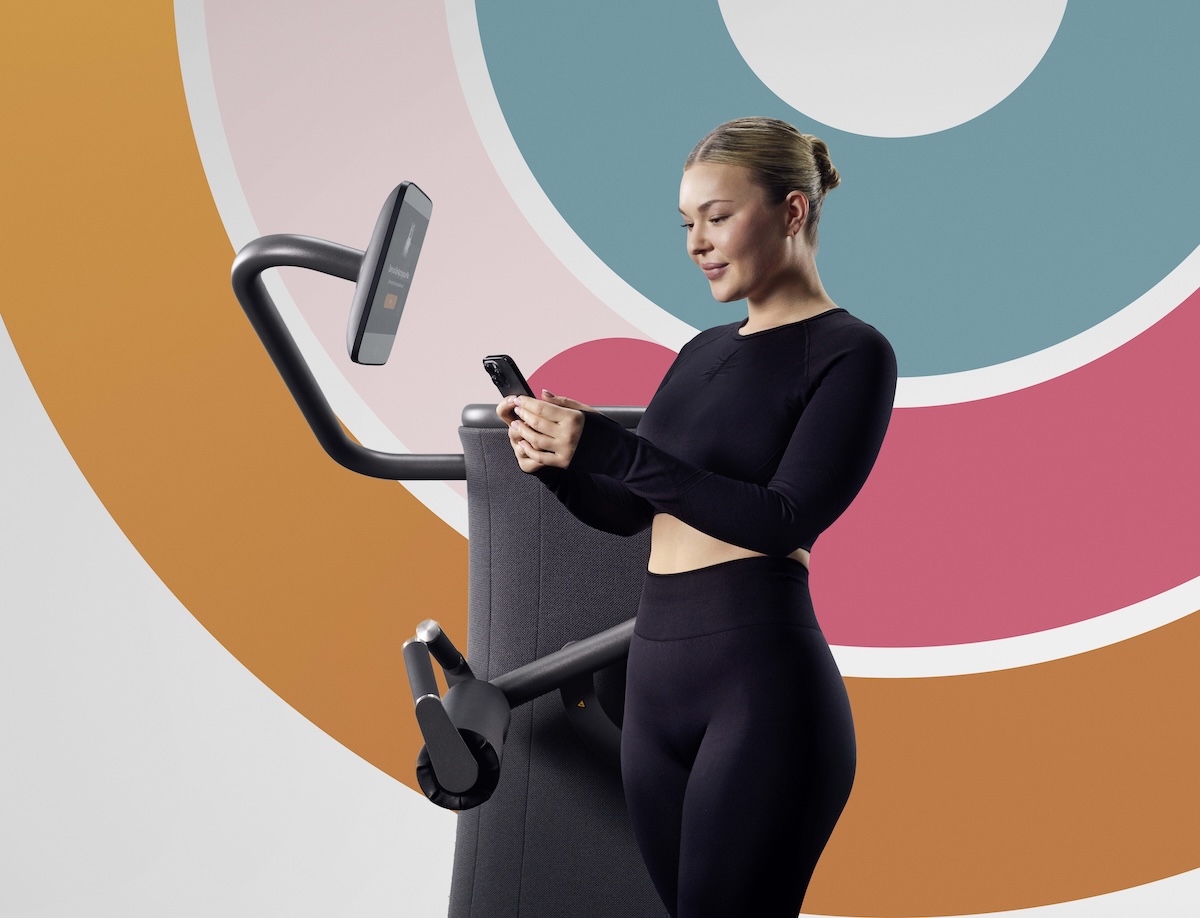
[[548, 393]]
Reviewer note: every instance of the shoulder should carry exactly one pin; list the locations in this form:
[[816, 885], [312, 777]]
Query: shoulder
[[854, 357], [842, 325], [845, 334]]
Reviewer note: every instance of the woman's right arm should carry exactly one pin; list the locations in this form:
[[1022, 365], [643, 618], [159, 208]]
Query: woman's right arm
[[599, 501], [595, 500]]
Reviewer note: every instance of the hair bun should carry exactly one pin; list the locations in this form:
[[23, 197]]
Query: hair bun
[[830, 177]]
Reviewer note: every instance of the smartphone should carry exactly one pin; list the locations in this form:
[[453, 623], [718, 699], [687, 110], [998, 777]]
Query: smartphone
[[386, 274], [505, 374]]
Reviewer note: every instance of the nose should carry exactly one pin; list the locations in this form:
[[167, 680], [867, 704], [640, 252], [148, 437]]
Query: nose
[[697, 242]]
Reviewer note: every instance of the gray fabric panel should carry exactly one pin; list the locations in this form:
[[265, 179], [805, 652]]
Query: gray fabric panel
[[554, 840]]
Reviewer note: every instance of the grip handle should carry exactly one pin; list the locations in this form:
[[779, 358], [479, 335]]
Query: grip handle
[[452, 761]]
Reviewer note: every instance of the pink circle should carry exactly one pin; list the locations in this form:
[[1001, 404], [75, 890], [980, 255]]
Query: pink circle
[[611, 371]]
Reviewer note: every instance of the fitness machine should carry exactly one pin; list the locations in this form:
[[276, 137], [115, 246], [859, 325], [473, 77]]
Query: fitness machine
[[524, 744]]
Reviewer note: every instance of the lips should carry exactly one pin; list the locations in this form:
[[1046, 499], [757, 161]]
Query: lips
[[713, 270]]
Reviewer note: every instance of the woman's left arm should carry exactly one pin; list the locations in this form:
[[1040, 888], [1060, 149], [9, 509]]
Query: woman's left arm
[[825, 464]]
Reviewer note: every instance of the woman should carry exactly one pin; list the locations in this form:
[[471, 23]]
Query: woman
[[737, 744]]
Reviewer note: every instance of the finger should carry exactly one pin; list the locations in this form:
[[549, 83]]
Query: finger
[[563, 402], [528, 458], [526, 461], [518, 410], [541, 416], [527, 423], [505, 410], [527, 407], [535, 458], [542, 443]]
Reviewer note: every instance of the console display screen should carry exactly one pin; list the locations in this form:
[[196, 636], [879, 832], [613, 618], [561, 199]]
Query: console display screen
[[393, 280]]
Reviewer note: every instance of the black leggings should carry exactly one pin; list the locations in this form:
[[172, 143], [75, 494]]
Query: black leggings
[[737, 747]]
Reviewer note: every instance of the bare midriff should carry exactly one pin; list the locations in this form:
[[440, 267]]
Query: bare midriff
[[676, 547]]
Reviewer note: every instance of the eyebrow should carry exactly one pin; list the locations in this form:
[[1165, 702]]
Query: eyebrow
[[707, 204]]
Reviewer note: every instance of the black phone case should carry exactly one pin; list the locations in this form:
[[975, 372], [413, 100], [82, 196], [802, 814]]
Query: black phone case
[[506, 375]]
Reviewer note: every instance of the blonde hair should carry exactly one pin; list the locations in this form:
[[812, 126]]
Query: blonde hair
[[779, 157]]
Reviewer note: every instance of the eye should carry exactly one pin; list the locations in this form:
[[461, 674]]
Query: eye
[[719, 219], [686, 226]]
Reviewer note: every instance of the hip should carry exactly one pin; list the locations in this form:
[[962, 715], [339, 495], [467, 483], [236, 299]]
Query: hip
[[756, 591]]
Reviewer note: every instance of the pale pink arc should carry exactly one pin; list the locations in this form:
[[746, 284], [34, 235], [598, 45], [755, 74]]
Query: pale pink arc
[[325, 112]]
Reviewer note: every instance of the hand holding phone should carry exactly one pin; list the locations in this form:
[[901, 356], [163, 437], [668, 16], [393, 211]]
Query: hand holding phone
[[510, 381]]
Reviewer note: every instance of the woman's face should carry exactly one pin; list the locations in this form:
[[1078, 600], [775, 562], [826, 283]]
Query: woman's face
[[743, 244]]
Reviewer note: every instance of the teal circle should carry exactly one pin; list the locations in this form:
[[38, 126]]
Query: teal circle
[[975, 245]]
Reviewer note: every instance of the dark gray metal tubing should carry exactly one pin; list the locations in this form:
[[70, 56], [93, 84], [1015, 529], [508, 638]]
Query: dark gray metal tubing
[[549, 672], [339, 261]]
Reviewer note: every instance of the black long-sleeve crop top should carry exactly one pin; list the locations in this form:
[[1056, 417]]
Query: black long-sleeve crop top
[[759, 440]]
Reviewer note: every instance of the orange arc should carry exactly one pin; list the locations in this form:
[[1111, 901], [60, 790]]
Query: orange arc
[[126, 323], [1021, 787]]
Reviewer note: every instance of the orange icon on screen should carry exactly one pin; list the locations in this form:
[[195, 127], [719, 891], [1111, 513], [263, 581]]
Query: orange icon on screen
[[389, 301]]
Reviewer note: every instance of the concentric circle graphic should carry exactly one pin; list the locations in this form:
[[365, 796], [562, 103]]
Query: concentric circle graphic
[[1024, 556], [1019, 229]]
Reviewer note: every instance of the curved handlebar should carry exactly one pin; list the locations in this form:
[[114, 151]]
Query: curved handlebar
[[339, 261]]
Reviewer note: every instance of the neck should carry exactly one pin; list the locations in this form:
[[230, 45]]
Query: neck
[[802, 297]]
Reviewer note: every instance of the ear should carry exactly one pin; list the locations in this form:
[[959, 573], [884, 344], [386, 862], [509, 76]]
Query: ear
[[797, 212]]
